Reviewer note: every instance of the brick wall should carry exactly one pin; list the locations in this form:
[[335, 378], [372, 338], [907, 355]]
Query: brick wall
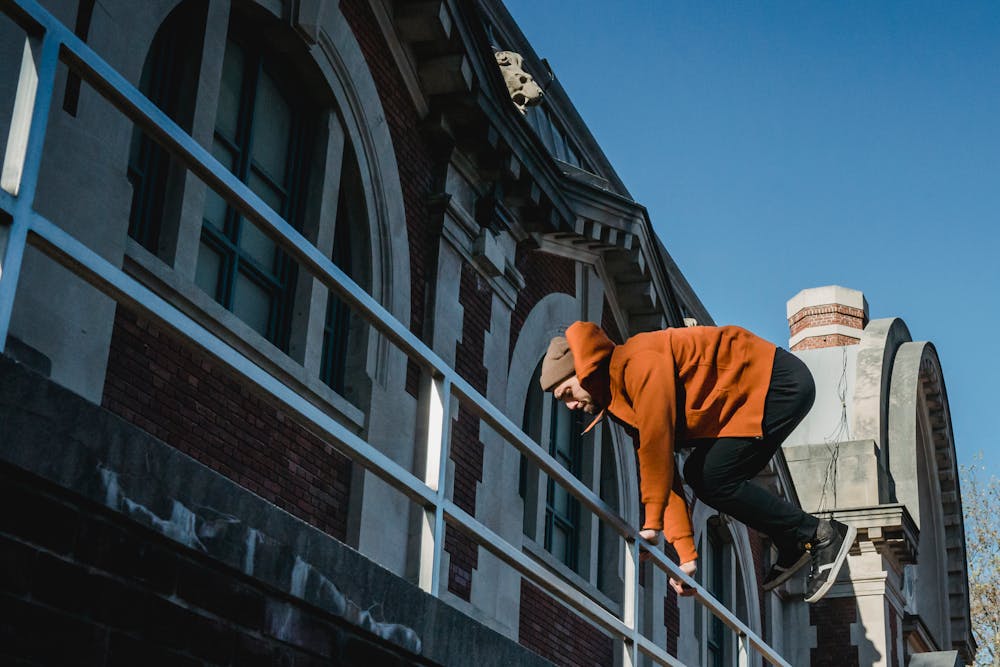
[[833, 313], [671, 620], [832, 618], [894, 636], [544, 274], [555, 633], [413, 159], [826, 315], [832, 340], [82, 585], [180, 396], [476, 298]]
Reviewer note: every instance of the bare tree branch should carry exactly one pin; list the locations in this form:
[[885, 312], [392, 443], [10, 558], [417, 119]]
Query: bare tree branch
[[981, 504]]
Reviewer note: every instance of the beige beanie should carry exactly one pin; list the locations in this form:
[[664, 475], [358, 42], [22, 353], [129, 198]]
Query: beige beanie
[[557, 364]]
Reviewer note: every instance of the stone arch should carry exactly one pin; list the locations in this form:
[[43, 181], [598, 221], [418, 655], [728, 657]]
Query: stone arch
[[742, 553], [550, 317], [879, 342], [345, 70], [330, 59], [923, 464]]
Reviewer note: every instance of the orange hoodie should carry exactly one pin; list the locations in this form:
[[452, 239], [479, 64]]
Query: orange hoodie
[[675, 385]]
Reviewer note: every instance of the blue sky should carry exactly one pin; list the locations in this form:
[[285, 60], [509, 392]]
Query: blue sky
[[783, 145]]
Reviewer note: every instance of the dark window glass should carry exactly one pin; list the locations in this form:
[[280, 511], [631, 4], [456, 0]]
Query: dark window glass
[[169, 80], [336, 331], [719, 579], [262, 132], [562, 510]]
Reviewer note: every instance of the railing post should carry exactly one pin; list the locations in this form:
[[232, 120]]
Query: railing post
[[630, 604], [743, 659], [436, 478], [22, 161]]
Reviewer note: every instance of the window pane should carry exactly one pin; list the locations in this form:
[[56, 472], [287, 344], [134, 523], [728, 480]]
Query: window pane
[[560, 540], [215, 206], [252, 304], [254, 241], [561, 432], [207, 273], [271, 197], [272, 129], [227, 118], [257, 245], [560, 500]]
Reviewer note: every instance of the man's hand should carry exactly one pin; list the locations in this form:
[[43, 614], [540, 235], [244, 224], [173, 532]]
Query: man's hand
[[653, 537], [688, 568]]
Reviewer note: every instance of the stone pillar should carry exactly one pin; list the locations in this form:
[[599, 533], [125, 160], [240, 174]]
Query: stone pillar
[[830, 316]]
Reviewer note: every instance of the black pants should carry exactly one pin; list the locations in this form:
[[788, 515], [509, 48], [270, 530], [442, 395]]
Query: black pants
[[719, 469]]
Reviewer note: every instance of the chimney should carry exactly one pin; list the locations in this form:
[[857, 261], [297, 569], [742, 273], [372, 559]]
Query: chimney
[[830, 316]]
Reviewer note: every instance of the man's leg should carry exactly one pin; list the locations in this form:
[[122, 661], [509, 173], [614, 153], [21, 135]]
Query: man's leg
[[720, 471]]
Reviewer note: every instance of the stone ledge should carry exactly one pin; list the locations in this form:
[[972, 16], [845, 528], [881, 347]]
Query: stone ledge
[[58, 436]]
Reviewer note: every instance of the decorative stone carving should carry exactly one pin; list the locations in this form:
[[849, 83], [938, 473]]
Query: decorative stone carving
[[522, 87]]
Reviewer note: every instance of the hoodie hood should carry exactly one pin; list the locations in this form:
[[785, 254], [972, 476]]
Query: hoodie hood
[[592, 350]]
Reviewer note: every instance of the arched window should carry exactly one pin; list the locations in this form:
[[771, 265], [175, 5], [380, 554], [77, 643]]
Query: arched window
[[721, 573], [263, 130], [269, 114], [345, 335], [169, 80], [553, 518]]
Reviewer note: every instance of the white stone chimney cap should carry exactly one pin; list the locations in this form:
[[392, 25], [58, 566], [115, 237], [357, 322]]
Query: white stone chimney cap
[[821, 296]]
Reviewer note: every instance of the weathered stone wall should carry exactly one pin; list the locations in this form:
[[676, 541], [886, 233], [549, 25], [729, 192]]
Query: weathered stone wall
[[82, 585], [127, 550], [179, 395]]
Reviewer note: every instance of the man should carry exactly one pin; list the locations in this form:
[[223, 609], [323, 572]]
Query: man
[[729, 396]]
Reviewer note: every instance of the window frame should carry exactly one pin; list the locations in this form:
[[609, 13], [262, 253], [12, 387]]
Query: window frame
[[340, 129], [236, 262]]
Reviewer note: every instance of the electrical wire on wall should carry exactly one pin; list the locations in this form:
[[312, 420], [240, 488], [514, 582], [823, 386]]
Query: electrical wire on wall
[[840, 433]]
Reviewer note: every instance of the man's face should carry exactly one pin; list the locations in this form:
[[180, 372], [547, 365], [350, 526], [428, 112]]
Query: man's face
[[574, 396]]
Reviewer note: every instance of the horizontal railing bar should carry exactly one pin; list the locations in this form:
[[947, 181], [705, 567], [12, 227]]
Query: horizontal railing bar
[[66, 250], [515, 436], [542, 576], [656, 652], [717, 608]]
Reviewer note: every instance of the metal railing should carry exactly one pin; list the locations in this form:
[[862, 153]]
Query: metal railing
[[50, 42]]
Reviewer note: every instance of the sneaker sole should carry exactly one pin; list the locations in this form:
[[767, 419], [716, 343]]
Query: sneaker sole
[[787, 574], [852, 532]]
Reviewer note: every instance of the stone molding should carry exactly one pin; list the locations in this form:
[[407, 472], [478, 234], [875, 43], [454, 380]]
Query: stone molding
[[825, 330]]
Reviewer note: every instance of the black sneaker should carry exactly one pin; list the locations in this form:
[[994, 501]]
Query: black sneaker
[[783, 570], [828, 552]]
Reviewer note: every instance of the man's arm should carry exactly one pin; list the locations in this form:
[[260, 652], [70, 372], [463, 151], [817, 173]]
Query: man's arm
[[650, 381]]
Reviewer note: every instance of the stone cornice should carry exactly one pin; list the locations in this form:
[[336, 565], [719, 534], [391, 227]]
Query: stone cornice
[[890, 528]]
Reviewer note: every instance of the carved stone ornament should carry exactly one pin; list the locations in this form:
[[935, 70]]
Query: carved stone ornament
[[522, 87]]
